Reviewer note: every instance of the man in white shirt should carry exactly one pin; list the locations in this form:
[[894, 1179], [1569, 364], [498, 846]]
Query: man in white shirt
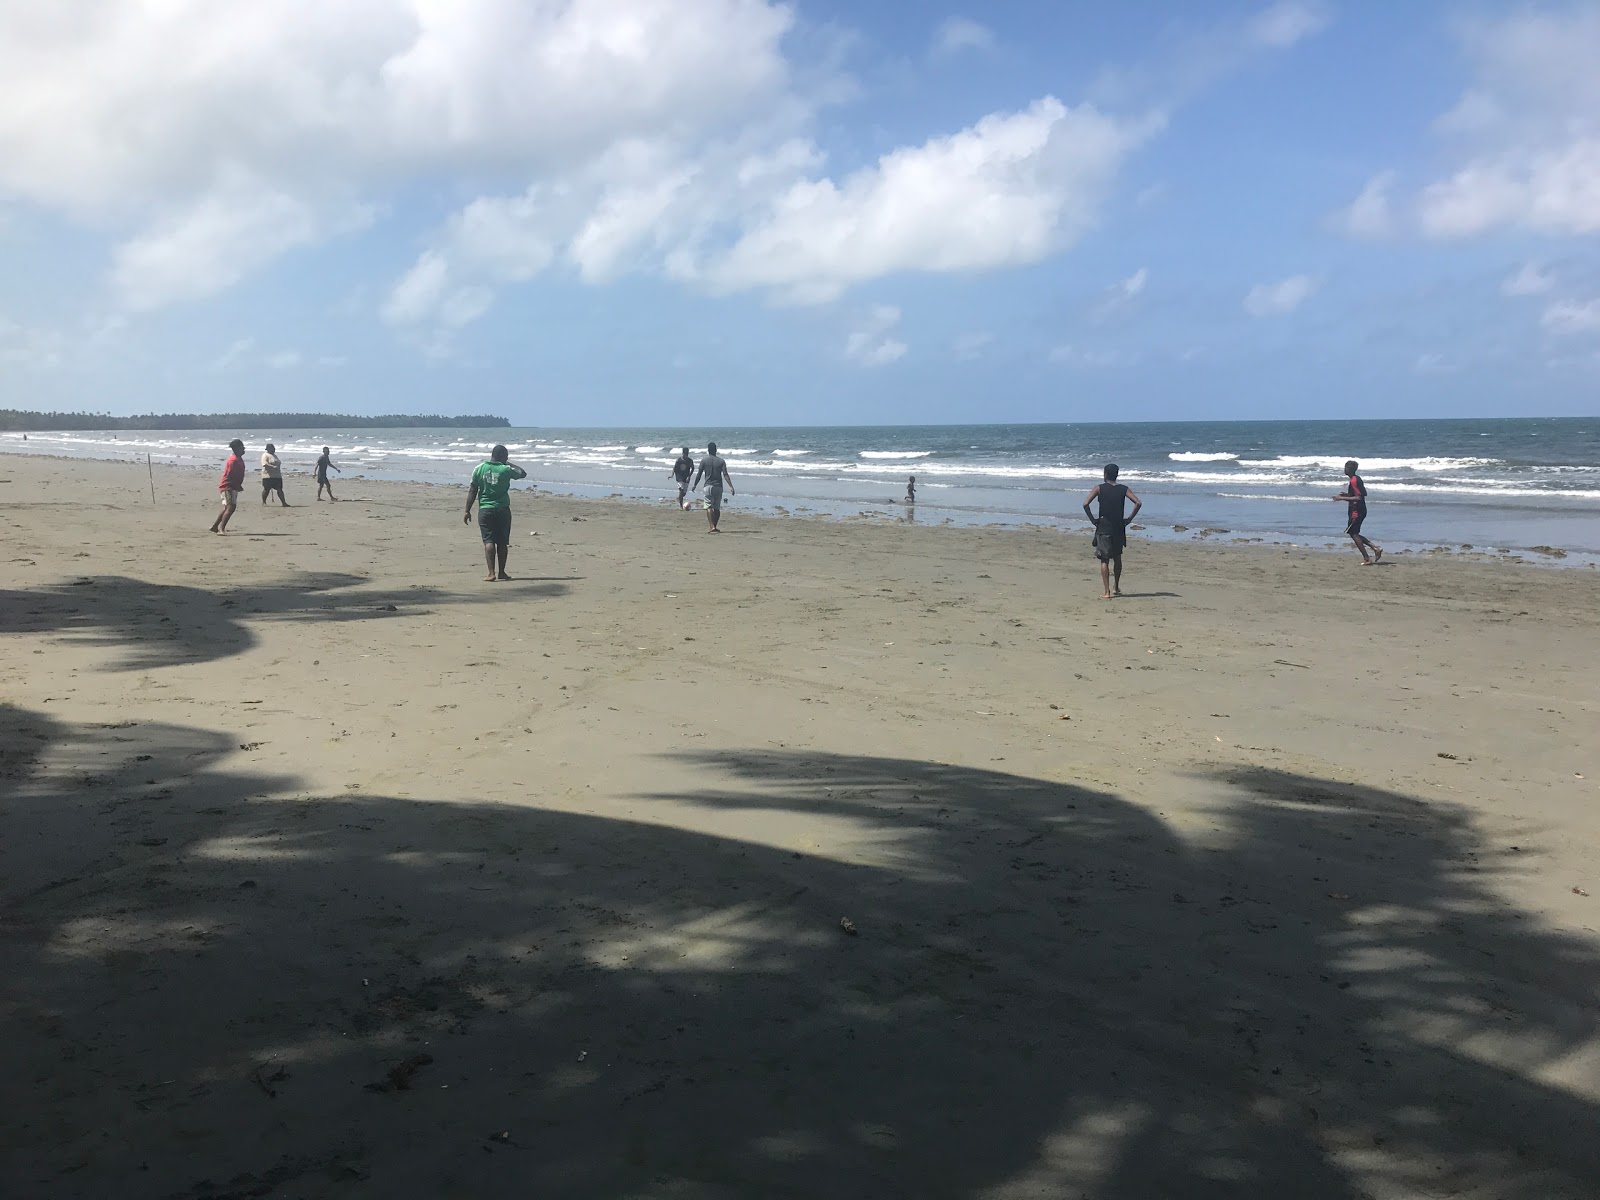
[[272, 475]]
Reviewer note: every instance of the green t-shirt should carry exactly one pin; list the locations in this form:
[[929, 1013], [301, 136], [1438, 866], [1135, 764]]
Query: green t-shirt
[[494, 484]]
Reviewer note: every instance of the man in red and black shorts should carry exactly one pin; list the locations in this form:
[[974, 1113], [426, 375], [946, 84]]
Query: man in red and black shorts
[[231, 484], [1355, 495]]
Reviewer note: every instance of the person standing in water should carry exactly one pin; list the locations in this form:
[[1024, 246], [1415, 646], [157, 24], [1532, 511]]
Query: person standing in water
[[911, 490], [323, 464], [1355, 495], [272, 475], [715, 472], [231, 484], [491, 488], [1110, 528], [682, 471]]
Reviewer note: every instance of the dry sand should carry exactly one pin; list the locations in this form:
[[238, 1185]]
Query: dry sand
[[332, 871]]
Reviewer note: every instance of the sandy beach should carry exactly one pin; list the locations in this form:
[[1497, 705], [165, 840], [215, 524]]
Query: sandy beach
[[330, 870]]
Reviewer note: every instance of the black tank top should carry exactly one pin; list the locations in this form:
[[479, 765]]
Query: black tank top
[[1113, 500]]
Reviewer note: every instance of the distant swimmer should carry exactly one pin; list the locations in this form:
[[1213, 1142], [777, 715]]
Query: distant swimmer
[[911, 490], [231, 484], [1355, 495], [272, 475], [715, 473], [491, 488], [1111, 528], [323, 465], [683, 471]]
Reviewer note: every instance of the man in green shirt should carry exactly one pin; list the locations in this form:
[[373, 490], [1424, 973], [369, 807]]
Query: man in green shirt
[[491, 488]]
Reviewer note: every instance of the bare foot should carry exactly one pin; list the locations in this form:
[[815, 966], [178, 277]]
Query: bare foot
[[1106, 596], [1377, 553], [489, 578], [502, 575]]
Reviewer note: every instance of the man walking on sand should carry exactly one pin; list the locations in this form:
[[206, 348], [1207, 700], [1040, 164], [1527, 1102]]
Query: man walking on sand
[[323, 464], [272, 475], [681, 471], [1355, 495], [1110, 528], [491, 488], [715, 472], [231, 484]]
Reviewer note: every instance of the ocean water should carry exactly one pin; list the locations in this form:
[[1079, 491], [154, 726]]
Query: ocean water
[[1505, 485]]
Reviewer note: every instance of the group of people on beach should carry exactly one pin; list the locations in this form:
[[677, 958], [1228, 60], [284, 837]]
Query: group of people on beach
[[490, 490], [232, 482]]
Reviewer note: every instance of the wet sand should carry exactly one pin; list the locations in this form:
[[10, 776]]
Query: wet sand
[[331, 870]]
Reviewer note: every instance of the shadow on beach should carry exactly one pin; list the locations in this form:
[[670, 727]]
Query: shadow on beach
[[159, 625], [214, 991]]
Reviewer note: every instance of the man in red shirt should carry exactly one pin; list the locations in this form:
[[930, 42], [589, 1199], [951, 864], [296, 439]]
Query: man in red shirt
[[231, 485]]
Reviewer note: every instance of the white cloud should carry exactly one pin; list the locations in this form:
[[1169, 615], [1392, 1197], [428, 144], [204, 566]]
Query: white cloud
[[665, 136], [1572, 317], [1194, 62], [223, 135], [1122, 293], [216, 241], [284, 360], [871, 344], [1530, 129], [1530, 280], [1370, 215], [1279, 299], [957, 34], [1432, 364], [1010, 190], [1288, 23]]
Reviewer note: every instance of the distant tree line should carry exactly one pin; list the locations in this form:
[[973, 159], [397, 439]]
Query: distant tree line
[[13, 420]]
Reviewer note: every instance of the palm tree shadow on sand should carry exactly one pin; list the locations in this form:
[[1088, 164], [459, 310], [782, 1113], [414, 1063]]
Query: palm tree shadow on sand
[[1051, 994]]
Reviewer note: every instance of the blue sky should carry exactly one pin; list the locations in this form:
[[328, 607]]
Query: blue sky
[[656, 211]]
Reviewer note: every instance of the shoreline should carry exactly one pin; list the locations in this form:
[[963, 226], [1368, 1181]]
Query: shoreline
[[1550, 556]]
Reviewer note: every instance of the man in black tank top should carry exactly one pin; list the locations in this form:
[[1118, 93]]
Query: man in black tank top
[[1110, 528]]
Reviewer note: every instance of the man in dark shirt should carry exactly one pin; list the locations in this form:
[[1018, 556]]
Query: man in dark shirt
[[323, 463], [1110, 528], [681, 471], [1355, 495], [715, 472]]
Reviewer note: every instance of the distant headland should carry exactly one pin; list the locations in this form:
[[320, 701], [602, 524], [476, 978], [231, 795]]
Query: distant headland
[[14, 420]]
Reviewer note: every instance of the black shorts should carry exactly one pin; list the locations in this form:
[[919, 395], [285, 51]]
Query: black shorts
[[1353, 527], [1109, 542], [272, 485], [495, 525]]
